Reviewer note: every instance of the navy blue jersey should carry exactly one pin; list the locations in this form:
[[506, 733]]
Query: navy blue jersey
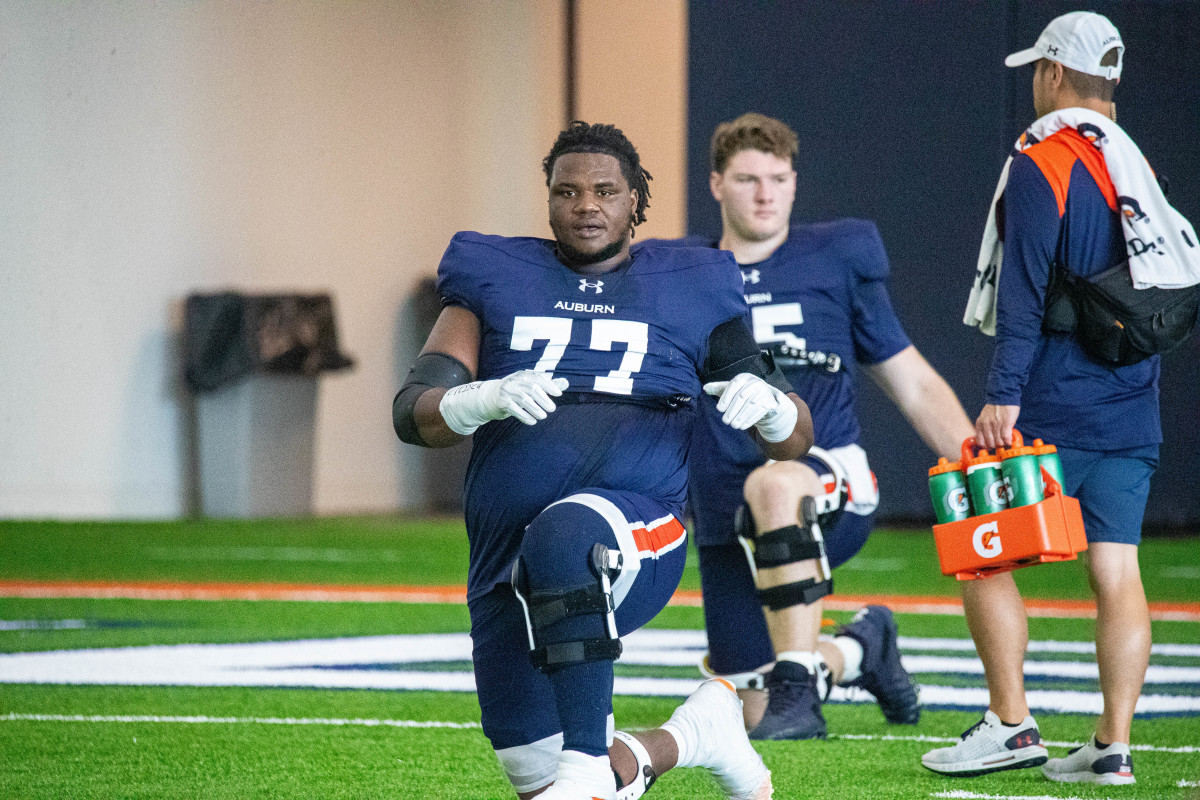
[[820, 304], [632, 343], [1060, 205]]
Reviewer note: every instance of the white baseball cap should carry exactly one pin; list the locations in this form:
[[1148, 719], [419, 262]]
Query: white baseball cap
[[1077, 40]]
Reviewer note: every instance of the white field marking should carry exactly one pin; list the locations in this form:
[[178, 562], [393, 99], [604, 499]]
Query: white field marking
[[370, 723], [875, 565], [1187, 573], [1148, 748], [42, 624], [908, 643], [963, 794], [349, 662], [1051, 669], [409, 723], [684, 648], [1187, 784], [286, 553]]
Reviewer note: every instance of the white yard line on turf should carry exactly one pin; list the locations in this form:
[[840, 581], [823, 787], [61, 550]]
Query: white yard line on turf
[[1150, 748], [965, 795], [369, 723], [409, 723], [909, 643], [1187, 784]]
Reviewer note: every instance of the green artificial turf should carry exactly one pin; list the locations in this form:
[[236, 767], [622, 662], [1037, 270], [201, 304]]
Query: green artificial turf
[[249, 756]]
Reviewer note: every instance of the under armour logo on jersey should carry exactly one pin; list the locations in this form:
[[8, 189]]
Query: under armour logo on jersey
[[585, 284], [751, 276]]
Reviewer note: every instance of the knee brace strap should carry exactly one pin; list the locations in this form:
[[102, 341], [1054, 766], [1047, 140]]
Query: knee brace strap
[[786, 545], [740, 680], [804, 592], [545, 608]]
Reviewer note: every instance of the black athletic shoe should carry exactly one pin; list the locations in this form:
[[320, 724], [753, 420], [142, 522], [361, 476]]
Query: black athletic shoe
[[883, 675], [793, 705]]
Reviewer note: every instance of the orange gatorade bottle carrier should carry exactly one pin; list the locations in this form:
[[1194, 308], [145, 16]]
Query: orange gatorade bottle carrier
[[999, 538]]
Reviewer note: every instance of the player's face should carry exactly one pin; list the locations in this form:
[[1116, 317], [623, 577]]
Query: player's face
[[756, 192], [591, 209]]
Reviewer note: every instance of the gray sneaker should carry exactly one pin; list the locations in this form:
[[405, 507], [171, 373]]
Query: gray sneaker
[[1112, 766], [989, 746]]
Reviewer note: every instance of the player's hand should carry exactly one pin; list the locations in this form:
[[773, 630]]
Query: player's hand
[[525, 395], [995, 426], [749, 400]]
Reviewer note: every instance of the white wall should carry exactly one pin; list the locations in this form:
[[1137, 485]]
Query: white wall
[[149, 150]]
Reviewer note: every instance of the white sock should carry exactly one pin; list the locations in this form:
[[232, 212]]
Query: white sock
[[683, 736], [810, 660], [590, 773], [852, 656]]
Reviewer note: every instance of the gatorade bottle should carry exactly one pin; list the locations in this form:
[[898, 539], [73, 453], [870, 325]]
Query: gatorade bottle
[[948, 491], [985, 482], [1048, 460], [1021, 470]]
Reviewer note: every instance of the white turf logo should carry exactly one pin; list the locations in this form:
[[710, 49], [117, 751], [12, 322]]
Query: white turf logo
[[986, 540], [585, 284], [354, 663]]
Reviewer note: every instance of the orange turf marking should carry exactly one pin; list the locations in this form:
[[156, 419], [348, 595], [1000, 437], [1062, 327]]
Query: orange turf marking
[[327, 593]]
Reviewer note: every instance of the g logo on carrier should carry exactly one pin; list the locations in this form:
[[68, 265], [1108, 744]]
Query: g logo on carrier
[[986, 540]]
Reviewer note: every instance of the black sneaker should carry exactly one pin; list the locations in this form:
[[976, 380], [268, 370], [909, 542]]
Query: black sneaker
[[883, 675], [793, 705]]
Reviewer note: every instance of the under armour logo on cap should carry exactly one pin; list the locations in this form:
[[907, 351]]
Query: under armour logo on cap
[[1078, 41]]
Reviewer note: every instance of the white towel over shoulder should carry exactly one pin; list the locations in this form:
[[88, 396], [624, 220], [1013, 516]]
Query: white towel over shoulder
[[1162, 245]]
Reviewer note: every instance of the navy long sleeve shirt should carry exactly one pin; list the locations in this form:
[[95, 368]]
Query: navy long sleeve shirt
[[1060, 204]]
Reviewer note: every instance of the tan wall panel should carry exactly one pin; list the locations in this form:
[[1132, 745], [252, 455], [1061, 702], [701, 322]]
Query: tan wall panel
[[632, 72], [162, 148]]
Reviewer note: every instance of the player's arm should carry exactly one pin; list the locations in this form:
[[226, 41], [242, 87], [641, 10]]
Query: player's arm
[[449, 358], [752, 393], [439, 404], [925, 400], [1031, 232]]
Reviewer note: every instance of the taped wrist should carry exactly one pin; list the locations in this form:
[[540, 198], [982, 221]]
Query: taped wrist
[[779, 424], [464, 408], [430, 370]]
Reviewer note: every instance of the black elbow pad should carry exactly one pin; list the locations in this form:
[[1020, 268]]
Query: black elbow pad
[[429, 371], [732, 350]]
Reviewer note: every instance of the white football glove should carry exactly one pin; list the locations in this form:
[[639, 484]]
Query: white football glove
[[524, 395], [749, 400]]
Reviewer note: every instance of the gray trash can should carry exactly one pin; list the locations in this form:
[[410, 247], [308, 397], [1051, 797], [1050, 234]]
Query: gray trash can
[[252, 363]]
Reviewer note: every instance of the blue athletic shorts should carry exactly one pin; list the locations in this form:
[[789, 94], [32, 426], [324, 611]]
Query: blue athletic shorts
[[1112, 487], [516, 701]]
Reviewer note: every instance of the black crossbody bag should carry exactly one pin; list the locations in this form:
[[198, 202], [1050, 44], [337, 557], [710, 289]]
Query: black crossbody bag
[[1115, 323]]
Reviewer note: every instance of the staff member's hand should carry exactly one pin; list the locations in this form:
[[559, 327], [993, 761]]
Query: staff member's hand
[[995, 425]]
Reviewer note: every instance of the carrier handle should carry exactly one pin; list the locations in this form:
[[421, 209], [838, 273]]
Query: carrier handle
[[969, 446]]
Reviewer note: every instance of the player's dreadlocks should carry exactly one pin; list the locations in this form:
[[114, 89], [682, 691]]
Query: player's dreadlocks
[[580, 137]]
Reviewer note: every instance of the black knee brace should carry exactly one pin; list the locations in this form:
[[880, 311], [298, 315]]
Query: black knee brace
[[544, 609], [790, 545]]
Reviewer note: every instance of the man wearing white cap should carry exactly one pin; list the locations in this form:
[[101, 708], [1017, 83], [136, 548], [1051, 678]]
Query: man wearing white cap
[[1075, 195]]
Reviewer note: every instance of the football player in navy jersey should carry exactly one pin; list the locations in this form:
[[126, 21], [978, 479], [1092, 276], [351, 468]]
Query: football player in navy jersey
[[578, 367], [819, 302]]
